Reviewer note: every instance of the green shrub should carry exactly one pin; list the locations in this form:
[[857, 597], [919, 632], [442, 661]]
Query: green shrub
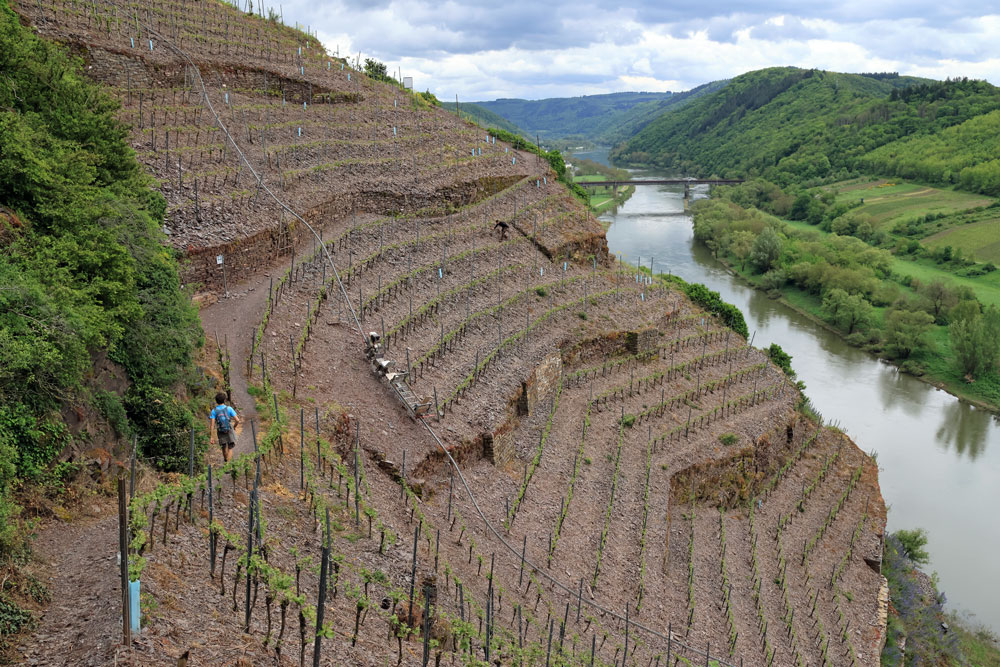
[[781, 359], [728, 439], [12, 619], [712, 302], [111, 408], [163, 428], [913, 543]]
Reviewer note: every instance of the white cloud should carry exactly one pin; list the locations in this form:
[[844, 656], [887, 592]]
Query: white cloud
[[481, 49]]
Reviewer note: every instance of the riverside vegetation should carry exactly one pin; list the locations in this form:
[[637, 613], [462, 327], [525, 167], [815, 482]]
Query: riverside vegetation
[[928, 324], [604, 197]]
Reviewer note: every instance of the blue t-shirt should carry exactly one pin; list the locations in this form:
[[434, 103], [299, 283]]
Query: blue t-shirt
[[219, 409]]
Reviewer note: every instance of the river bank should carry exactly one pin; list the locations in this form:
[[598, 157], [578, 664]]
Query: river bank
[[601, 203], [783, 296]]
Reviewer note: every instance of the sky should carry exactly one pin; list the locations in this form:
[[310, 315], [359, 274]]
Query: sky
[[483, 50]]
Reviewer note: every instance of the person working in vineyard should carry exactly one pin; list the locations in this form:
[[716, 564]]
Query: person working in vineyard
[[502, 226], [224, 420]]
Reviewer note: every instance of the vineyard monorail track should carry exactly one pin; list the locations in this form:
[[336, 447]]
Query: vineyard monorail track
[[263, 187]]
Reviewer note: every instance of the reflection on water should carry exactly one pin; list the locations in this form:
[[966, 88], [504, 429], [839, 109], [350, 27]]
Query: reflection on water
[[940, 458], [963, 429]]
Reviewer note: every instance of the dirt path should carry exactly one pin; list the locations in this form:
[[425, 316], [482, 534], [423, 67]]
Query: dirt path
[[234, 321], [82, 625]]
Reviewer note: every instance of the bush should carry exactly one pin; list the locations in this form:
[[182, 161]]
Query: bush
[[728, 439], [773, 280], [781, 359], [913, 543], [163, 428], [712, 301]]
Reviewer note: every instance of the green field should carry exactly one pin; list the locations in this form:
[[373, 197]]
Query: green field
[[987, 288], [888, 202], [978, 239]]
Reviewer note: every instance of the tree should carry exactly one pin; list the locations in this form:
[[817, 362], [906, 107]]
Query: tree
[[848, 311], [913, 543], [741, 245], [766, 250], [941, 297], [906, 332], [800, 207], [975, 342], [376, 70]]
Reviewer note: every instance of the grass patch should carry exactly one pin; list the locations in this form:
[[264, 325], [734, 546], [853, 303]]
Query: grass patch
[[978, 646], [888, 202], [978, 239]]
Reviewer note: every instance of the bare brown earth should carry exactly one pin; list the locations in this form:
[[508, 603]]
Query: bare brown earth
[[619, 486]]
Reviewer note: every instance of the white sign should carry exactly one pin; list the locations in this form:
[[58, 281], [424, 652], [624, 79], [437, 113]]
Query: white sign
[[408, 82], [218, 259]]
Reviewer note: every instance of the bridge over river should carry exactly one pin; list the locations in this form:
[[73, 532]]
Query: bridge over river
[[686, 182], [664, 181]]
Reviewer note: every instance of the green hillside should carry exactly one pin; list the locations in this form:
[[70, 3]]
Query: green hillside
[[793, 125], [586, 117], [617, 128], [480, 115], [84, 276], [965, 155]]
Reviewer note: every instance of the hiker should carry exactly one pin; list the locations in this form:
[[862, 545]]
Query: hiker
[[224, 419], [503, 229]]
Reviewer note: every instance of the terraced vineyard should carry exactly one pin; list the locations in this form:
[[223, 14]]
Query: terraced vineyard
[[606, 473]]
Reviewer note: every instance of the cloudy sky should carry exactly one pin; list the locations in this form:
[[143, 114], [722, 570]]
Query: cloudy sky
[[485, 49]]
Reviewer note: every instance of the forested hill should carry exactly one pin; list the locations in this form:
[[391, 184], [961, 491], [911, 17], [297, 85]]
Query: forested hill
[[557, 117], [965, 155], [603, 119], [793, 125]]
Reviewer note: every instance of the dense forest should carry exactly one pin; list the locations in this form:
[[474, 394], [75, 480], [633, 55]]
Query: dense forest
[[792, 125], [964, 155], [84, 277]]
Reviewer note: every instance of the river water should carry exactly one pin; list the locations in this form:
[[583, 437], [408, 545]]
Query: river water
[[939, 457]]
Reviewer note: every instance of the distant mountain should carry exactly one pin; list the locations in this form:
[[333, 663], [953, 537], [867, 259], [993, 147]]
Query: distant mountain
[[616, 128], [596, 118], [790, 124], [485, 117]]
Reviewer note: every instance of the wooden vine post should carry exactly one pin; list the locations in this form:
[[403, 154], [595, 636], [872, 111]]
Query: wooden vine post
[[123, 553]]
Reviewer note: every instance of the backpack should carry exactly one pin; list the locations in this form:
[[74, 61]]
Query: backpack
[[222, 418]]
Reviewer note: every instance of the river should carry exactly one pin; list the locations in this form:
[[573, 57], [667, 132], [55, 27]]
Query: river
[[939, 458]]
